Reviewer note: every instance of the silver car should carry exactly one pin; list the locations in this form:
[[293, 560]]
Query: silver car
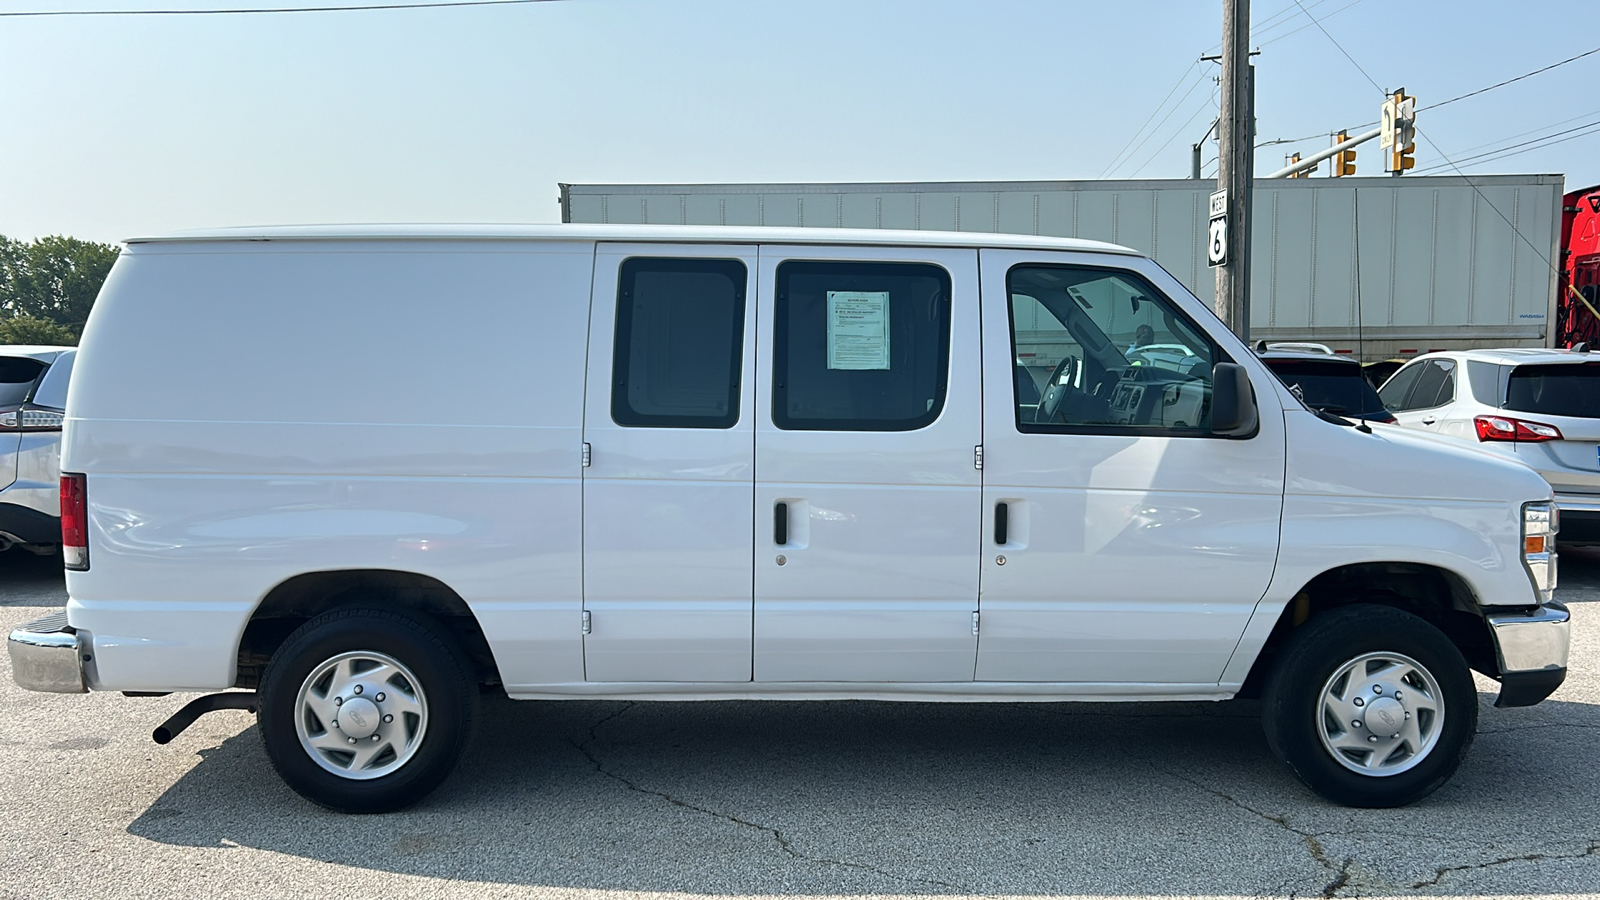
[[1541, 407], [33, 400]]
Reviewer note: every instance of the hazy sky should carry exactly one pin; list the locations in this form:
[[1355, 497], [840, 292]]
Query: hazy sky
[[122, 125]]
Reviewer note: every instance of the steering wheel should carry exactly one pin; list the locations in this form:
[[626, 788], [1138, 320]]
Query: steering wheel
[[1056, 388]]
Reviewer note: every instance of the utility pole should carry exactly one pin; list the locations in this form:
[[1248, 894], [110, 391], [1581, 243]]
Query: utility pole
[[1235, 166]]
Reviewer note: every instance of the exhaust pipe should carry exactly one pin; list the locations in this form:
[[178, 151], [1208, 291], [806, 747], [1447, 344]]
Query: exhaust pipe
[[198, 707]]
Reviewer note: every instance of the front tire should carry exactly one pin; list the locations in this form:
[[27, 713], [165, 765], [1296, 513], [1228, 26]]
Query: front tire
[[366, 710], [1370, 706]]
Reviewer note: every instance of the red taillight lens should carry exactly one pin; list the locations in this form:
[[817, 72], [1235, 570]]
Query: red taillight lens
[[75, 522], [1505, 428]]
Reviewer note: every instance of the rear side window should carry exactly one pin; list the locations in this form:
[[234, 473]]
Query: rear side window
[[679, 343], [1485, 380], [1333, 386], [1569, 390], [1435, 386], [1395, 389], [860, 346], [17, 376]]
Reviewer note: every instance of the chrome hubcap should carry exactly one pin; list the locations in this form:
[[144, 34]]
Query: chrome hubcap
[[1380, 714], [361, 715]]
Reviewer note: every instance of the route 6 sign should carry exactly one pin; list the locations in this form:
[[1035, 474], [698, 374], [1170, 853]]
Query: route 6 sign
[[1217, 239], [1217, 243]]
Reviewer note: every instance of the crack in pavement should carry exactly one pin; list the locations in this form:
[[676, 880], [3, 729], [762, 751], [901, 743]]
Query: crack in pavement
[[1442, 871], [778, 837], [1341, 872]]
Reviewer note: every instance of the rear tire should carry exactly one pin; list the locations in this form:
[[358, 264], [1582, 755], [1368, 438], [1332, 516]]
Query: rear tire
[[1370, 706], [366, 710]]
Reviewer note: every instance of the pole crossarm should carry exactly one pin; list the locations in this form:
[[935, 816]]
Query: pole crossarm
[[1311, 161]]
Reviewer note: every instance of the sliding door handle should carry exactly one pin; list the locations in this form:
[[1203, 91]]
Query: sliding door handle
[[1002, 515], [780, 523]]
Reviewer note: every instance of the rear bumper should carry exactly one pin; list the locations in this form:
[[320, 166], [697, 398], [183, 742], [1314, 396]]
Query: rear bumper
[[1580, 518], [1531, 649], [46, 655]]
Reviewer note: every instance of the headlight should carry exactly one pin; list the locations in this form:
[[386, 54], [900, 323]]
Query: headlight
[[1540, 522]]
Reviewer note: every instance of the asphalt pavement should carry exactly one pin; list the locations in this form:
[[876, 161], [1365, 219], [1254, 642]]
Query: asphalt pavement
[[610, 799]]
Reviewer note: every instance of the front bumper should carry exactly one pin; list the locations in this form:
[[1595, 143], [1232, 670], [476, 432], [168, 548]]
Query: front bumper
[[46, 655], [1531, 649]]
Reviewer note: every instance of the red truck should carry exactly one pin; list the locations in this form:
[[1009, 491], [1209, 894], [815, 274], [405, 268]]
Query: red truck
[[1578, 309]]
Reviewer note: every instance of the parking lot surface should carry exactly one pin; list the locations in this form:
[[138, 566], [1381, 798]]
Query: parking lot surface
[[609, 799]]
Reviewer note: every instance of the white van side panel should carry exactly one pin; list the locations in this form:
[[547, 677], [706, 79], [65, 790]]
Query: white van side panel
[[248, 412]]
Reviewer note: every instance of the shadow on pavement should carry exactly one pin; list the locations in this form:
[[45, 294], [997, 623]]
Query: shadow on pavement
[[31, 580], [857, 798]]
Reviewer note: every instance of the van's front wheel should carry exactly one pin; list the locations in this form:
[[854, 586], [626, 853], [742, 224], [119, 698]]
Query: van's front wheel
[[366, 710], [1371, 706]]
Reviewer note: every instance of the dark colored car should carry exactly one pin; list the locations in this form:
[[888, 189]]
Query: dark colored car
[[1330, 383]]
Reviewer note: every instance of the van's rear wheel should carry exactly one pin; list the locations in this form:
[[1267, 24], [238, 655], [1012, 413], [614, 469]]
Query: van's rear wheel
[[1370, 706], [366, 710]]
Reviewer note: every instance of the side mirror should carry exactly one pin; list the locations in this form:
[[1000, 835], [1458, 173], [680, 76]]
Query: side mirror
[[1233, 403]]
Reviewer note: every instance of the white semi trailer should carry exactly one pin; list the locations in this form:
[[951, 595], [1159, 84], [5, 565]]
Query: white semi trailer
[[1445, 262]]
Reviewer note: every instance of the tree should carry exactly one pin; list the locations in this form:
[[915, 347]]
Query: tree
[[34, 330], [53, 278]]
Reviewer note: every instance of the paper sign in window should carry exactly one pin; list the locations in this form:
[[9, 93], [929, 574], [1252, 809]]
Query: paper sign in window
[[858, 329]]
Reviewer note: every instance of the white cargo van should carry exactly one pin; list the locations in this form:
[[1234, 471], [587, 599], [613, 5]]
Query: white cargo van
[[361, 472]]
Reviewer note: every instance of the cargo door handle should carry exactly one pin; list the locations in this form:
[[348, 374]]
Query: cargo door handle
[[780, 523], [1001, 516]]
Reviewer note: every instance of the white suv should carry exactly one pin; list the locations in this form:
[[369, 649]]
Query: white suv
[[1540, 407], [33, 397]]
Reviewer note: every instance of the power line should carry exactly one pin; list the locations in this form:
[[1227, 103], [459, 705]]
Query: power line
[[1298, 140], [1304, 27], [431, 4], [1514, 80], [1526, 146], [1181, 129], [1175, 107], [1115, 160], [1587, 115], [1346, 53]]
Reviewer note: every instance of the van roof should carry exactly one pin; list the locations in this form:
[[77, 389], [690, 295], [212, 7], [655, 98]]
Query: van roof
[[688, 234]]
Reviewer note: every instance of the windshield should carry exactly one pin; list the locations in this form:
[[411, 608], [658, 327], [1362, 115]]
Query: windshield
[[1334, 386], [1560, 390]]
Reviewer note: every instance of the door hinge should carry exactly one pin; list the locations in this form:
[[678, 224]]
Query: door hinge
[[586, 452], [977, 457], [586, 622], [974, 621]]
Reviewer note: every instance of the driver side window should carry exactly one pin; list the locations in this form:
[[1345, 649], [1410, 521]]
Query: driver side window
[[1100, 351]]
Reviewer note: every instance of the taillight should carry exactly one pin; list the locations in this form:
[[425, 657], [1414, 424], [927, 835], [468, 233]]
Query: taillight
[[75, 522], [1505, 428], [31, 418]]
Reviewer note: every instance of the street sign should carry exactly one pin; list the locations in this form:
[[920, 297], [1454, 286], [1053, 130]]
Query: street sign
[[1217, 243], [1386, 139], [1217, 236]]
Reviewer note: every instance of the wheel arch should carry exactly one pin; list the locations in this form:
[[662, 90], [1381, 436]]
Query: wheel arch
[[296, 600], [1434, 594]]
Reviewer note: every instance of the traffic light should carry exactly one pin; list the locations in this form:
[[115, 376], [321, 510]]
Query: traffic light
[[1344, 162], [1292, 160], [1400, 124], [1402, 159]]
